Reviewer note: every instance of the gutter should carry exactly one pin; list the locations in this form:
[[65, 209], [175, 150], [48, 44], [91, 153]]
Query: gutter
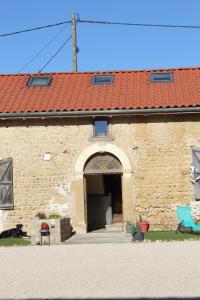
[[107, 112]]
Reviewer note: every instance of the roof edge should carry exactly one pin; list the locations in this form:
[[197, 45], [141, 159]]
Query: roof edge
[[104, 71], [90, 113]]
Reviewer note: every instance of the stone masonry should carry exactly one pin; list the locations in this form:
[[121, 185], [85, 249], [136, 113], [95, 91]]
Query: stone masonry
[[158, 147]]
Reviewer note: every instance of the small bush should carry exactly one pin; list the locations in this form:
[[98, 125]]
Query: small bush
[[54, 216], [41, 215]]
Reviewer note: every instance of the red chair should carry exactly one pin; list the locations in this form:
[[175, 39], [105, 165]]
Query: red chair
[[44, 231]]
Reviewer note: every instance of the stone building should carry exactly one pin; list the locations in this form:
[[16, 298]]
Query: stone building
[[100, 147]]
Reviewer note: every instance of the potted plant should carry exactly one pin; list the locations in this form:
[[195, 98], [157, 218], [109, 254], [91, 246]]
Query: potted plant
[[143, 224], [137, 234], [128, 226]]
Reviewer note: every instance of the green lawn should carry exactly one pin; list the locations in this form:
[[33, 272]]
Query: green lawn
[[14, 242], [151, 235], [169, 235]]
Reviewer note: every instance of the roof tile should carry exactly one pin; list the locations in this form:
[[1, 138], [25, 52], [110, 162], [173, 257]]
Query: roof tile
[[74, 91]]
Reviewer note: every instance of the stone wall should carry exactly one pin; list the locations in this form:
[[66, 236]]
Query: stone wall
[[160, 151], [158, 147]]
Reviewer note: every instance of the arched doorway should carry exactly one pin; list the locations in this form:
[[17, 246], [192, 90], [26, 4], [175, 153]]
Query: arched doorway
[[103, 192], [79, 213]]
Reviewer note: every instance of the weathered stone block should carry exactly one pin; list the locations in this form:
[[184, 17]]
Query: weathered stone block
[[60, 230]]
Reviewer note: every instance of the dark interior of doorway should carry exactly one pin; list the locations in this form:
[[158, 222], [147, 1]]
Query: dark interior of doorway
[[104, 200]]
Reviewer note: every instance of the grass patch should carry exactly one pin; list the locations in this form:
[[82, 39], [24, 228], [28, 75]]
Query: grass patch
[[14, 242], [170, 235]]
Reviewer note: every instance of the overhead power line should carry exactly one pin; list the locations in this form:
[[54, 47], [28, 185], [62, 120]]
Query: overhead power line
[[55, 54], [103, 23], [41, 50], [33, 29], [139, 24]]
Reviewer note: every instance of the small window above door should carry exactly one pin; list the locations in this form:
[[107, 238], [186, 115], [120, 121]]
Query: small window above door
[[105, 163], [100, 128]]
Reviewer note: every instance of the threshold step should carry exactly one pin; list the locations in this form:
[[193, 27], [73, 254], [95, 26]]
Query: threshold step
[[92, 238]]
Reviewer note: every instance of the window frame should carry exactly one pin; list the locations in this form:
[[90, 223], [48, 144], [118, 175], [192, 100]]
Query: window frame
[[102, 75], [105, 137], [152, 79], [31, 79]]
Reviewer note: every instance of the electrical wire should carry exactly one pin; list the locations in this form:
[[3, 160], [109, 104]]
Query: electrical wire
[[32, 29], [41, 50], [55, 54], [103, 23], [78, 20], [139, 24]]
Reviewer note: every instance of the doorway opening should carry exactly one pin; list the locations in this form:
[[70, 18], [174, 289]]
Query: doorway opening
[[117, 163], [103, 201], [103, 191]]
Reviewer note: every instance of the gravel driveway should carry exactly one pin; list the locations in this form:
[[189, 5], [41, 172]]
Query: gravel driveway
[[164, 269]]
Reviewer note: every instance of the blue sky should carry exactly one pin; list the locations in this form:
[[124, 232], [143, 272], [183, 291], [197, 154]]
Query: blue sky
[[102, 47]]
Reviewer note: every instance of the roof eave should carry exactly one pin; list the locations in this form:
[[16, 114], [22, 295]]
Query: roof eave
[[93, 113]]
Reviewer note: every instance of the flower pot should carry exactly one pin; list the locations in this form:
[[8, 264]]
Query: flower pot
[[138, 236], [143, 225]]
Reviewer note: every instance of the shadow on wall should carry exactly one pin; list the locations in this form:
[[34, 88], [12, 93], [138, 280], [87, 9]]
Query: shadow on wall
[[87, 120]]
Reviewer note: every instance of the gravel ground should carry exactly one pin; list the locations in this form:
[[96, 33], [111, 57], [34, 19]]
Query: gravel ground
[[164, 269]]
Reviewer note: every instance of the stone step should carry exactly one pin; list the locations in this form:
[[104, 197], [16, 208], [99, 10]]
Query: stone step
[[117, 218], [95, 238], [114, 227]]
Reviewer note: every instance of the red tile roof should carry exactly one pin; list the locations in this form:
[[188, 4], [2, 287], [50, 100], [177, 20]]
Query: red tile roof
[[74, 91]]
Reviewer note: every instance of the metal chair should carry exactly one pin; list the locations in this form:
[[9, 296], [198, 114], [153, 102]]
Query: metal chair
[[44, 231], [185, 218]]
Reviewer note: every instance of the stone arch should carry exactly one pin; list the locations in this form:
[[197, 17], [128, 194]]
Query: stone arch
[[98, 148], [102, 163], [78, 189]]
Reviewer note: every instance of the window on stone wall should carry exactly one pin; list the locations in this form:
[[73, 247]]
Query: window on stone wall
[[196, 171], [6, 184], [100, 128]]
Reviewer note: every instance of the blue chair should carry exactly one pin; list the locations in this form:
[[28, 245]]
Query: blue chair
[[185, 219]]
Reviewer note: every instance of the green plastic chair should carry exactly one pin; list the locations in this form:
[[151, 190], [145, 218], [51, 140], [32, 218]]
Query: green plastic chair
[[185, 219]]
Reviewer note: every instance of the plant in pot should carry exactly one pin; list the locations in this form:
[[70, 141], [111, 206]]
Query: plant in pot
[[129, 226], [137, 234], [143, 224]]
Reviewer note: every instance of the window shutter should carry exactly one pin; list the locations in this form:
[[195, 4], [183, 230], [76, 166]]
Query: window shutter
[[196, 171], [6, 183]]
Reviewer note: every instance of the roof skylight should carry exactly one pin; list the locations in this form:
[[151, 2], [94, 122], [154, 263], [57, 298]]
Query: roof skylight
[[102, 79], [39, 80], [161, 77]]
